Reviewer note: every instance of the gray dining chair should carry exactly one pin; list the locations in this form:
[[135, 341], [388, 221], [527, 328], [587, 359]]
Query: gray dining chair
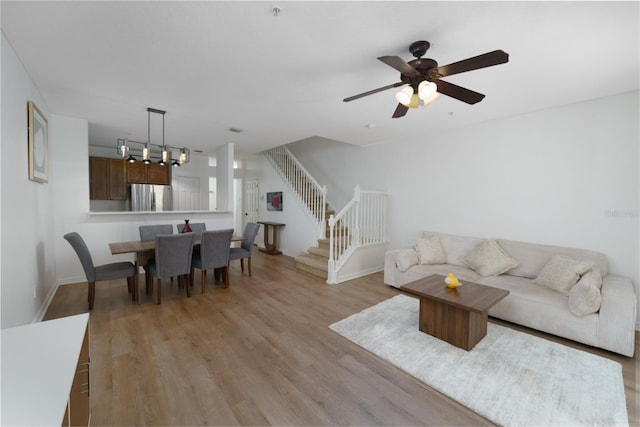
[[149, 232], [196, 227], [172, 258], [100, 273], [244, 251], [214, 254]]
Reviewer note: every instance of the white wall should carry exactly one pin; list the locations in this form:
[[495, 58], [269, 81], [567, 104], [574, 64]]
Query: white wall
[[298, 233], [27, 223], [566, 176]]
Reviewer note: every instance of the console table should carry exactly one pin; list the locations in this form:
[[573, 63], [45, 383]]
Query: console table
[[271, 246]]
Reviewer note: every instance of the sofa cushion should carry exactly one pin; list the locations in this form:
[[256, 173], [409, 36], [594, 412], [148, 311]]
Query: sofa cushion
[[585, 296], [561, 273], [455, 247], [406, 258], [533, 257], [489, 259], [429, 250]]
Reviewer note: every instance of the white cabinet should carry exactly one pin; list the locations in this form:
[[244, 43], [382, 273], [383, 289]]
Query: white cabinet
[[42, 365]]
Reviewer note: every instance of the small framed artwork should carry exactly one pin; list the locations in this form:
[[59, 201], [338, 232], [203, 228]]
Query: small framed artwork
[[38, 144], [274, 201]]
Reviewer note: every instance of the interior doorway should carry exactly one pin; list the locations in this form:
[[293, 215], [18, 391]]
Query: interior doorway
[[251, 196]]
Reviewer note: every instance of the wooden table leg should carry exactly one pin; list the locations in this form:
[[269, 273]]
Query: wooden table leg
[[271, 239]]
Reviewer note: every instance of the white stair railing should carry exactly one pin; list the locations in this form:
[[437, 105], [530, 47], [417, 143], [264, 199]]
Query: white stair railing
[[362, 222], [308, 191]]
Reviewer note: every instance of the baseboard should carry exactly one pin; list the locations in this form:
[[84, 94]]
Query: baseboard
[[52, 292], [71, 280], [357, 274], [45, 305]]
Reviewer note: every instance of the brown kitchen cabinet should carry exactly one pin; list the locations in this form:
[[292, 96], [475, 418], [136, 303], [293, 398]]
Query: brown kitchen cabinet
[[136, 173], [152, 173], [107, 179]]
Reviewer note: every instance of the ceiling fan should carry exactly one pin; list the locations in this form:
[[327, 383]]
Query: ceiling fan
[[423, 78]]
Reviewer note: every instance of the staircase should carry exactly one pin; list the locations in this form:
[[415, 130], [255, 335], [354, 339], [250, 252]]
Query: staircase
[[316, 259], [357, 232]]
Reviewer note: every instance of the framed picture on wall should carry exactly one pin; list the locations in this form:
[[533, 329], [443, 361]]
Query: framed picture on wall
[[274, 201], [38, 144]]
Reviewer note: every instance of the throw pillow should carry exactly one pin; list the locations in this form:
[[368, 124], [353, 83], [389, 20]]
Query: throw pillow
[[489, 259], [406, 258], [585, 296], [430, 250], [561, 273]]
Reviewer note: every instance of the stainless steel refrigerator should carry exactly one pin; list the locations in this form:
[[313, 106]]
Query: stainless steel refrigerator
[[148, 197]]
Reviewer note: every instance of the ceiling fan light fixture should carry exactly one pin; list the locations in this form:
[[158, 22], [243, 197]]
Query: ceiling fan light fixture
[[426, 90], [431, 99], [404, 96], [415, 101]]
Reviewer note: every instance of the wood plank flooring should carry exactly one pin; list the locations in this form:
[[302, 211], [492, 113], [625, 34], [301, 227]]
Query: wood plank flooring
[[257, 353]]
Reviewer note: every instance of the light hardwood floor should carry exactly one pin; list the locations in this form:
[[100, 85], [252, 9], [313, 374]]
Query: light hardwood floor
[[257, 353]]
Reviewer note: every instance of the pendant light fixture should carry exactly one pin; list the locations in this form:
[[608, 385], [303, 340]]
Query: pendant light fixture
[[123, 146]]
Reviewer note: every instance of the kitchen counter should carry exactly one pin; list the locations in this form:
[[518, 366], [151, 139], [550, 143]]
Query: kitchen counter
[[39, 363]]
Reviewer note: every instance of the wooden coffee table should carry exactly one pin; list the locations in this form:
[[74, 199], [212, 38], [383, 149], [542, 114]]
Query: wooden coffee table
[[458, 316]]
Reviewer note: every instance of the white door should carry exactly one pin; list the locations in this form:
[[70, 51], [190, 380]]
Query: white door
[[186, 193], [251, 196]]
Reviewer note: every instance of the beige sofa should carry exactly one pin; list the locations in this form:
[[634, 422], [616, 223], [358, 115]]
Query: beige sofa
[[611, 326]]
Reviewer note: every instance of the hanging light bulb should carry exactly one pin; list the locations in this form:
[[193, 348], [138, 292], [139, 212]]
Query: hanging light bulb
[[426, 90], [404, 95], [184, 156], [123, 149], [165, 158], [146, 155]]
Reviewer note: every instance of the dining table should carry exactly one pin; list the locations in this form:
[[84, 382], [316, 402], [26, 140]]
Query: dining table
[[144, 251]]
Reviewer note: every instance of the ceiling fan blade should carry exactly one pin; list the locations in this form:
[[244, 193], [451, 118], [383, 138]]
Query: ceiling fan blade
[[458, 92], [401, 110], [399, 64], [371, 92], [481, 61]]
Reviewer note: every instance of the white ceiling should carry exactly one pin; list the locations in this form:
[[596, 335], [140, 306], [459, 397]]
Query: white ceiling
[[215, 65]]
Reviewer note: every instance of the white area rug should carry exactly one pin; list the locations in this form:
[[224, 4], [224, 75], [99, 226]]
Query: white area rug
[[509, 377]]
